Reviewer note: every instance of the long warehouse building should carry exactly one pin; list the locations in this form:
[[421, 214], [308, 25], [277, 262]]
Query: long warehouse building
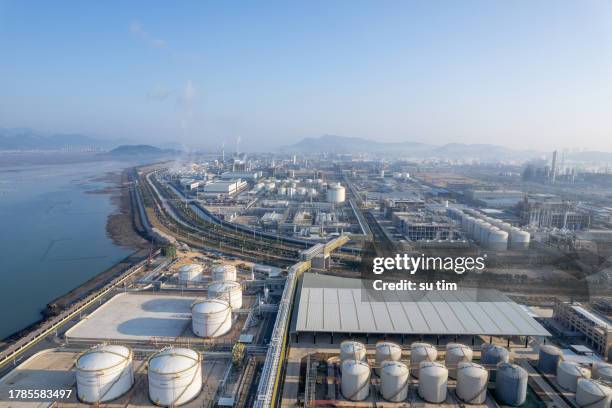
[[329, 309]]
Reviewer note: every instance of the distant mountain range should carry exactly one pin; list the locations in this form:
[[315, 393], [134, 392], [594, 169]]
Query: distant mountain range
[[29, 139], [353, 145]]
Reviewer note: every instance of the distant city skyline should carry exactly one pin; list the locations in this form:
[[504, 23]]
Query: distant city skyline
[[525, 75]]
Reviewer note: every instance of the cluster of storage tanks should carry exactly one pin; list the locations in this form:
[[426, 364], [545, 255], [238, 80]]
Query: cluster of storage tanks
[[106, 372], [194, 272], [490, 232], [591, 385], [212, 317], [432, 375]]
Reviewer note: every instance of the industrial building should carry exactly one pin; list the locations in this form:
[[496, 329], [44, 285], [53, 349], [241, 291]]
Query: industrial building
[[553, 213], [329, 309], [224, 188], [424, 226], [595, 328]]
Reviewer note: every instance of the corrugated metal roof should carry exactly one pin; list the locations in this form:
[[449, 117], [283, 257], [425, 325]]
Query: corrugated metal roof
[[334, 304]]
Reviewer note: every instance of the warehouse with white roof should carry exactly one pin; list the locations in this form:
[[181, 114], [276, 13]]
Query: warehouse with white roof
[[330, 309]]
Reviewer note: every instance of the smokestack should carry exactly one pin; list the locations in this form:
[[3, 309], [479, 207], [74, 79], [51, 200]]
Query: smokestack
[[553, 170]]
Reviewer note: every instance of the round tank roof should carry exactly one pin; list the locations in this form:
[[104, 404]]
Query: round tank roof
[[173, 360], [511, 370], [190, 268], [394, 368], [208, 306], [471, 369], [355, 367], [552, 350], [103, 357], [433, 367], [594, 387]]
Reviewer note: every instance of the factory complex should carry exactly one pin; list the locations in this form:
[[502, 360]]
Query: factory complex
[[259, 289]]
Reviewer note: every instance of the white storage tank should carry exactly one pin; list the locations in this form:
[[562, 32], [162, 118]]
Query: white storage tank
[[336, 194], [175, 376], [498, 239], [352, 350], [386, 351], [472, 381], [456, 353], [433, 381], [593, 394], [282, 191], [602, 371], [190, 273], [519, 239], [568, 374], [227, 290], [104, 373], [511, 384], [225, 272], [471, 227], [420, 352], [395, 380], [355, 385], [485, 228], [549, 359], [211, 317]]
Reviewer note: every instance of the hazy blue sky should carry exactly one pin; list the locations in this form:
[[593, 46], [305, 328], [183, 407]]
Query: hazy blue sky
[[532, 73]]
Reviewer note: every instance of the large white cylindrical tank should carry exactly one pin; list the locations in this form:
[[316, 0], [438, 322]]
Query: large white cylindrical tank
[[227, 290], [485, 228], [511, 384], [568, 374], [395, 380], [190, 273], [519, 239], [471, 227], [211, 317], [433, 380], [352, 350], [456, 353], [336, 194], [175, 376], [104, 373], [497, 240], [549, 359], [593, 394], [355, 385], [420, 352], [225, 272], [602, 371], [386, 351], [472, 382]]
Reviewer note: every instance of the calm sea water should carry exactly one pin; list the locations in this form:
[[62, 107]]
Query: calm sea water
[[52, 235]]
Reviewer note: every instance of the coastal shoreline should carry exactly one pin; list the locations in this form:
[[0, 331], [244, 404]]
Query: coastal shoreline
[[121, 228]]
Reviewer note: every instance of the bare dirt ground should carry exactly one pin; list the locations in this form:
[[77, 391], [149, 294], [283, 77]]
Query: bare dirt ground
[[120, 226]]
